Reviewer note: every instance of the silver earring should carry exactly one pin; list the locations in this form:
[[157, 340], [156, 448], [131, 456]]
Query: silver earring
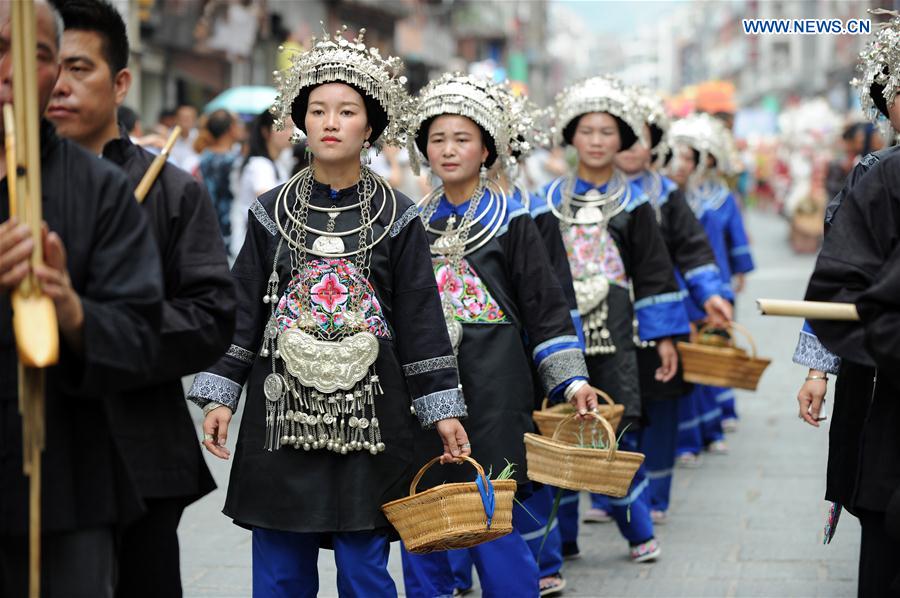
[[364, 158], [483, 173]]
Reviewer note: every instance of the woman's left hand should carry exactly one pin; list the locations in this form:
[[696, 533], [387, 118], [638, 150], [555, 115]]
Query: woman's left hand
[[669, 358]]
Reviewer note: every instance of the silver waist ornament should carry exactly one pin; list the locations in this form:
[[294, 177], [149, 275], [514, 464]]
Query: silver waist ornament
[[593, 208], [322, 389], [455, 242]]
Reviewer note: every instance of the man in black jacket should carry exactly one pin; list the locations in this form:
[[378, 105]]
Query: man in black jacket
[[102, 272], [151, 423]]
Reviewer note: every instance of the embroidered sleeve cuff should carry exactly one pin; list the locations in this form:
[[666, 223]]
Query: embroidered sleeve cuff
[[241, 354], [560, 367], [810, 352], [210, 387], [446, 362], [411, 213], [443, 404]]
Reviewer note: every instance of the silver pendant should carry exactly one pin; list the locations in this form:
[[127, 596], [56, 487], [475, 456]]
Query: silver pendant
[[328, 245], [590, 293], [592, 195], [589, 215], [273, 387], [327, 366]]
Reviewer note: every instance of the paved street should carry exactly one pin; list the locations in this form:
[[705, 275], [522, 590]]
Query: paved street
[[746, 524]]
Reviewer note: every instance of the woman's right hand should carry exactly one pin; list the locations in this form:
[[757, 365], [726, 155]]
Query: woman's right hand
[[215, 431], [455, 439], [811, 398]]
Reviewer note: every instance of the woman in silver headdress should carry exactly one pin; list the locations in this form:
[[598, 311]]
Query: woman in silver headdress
[[339, 332], [707, 410], [614, 244], [505, 310], [698, 277]]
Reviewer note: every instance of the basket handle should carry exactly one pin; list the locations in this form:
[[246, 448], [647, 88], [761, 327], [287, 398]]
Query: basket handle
[[738, 328], [610, 434], [546, 402], [460, 459]]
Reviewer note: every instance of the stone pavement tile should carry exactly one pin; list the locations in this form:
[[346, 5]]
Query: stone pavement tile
[[763, 570], [793, 589]]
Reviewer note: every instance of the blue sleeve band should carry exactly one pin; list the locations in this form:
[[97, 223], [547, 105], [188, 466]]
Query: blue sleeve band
[[703, 283], [741, 260], [558, 394], [662, 318]]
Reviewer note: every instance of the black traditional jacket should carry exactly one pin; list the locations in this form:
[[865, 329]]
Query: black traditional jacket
[[114, 267], [151, 422], [319, 490], [858, 264]]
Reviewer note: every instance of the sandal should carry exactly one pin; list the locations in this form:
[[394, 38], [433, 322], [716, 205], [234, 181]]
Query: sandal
[[552, 585]]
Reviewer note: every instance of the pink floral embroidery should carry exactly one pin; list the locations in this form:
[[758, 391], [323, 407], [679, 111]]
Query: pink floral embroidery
[[592, 250], [332, 283], [329, 293], [470, 297]]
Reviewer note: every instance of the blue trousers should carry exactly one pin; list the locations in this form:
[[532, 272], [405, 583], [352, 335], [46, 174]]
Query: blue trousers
[[505, 567], [726, 400], [568, 515], [690, 440], [659, 440], [285, 564], [711, 414], [530, 520], [631, 512]]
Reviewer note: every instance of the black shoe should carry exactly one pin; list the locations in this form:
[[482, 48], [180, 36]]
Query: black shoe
[[570, 551]]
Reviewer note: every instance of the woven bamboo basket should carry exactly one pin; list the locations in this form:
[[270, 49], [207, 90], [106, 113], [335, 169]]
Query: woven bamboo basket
[[450, 516], [549, 417], [705, 361], [567, 465]]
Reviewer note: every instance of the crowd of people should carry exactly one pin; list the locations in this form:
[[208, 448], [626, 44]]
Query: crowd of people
[[410, 276]]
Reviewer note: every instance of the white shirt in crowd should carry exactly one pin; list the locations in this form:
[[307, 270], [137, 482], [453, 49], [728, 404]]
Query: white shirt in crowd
[[258, 176]]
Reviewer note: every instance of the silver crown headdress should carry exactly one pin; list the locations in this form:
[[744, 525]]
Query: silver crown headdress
[[596, 94], [335, 58], [880, 55], [478, 99], [707, 135], [654, 114]]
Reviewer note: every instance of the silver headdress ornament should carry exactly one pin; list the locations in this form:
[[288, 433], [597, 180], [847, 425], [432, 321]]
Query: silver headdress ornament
[[478, 99], [596, 94], [526, 130], [707, 135], [654, 113], [335, 58], [880, 55]]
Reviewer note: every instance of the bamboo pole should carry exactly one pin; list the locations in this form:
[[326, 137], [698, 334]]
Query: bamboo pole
[[811, 310], [34, 315], [140, 193]]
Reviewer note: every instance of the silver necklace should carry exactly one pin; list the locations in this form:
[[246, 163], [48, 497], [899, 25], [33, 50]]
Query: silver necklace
[[322, 389]]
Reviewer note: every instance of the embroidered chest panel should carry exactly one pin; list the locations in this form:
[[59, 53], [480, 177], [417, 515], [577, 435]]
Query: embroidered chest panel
[[469, 296], [592, 251], [330, 285]]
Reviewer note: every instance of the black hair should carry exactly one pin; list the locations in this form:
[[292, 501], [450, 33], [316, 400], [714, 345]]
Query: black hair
[[256, 140], [127, 118], [667, 157], [627, 137], [166, 113], [656, 134], [486, 139], [219, 122], [696, 154], [102, 18], [375, 113], [876, 91]]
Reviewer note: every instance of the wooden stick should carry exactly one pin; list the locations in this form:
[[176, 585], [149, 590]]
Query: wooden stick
[[140, 193], [811, 310]]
